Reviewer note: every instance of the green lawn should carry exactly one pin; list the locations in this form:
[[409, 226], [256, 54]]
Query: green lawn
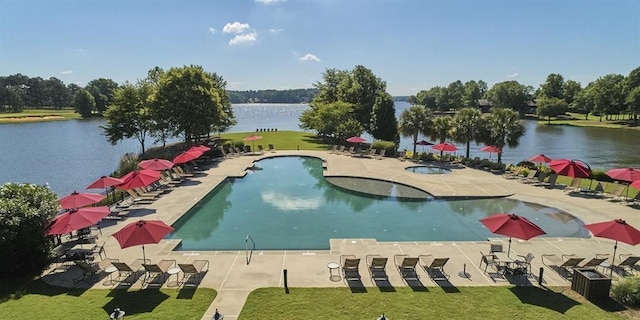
[[592, 121], [432, 303], [41, 301], [37, 115], [282, 140]]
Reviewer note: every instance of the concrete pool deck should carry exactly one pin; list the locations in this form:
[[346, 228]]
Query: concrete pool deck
[[234, 278]]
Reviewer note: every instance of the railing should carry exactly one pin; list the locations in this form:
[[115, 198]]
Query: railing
[[248, 253]]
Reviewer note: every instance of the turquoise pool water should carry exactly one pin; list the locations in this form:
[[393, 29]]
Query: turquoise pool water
[[288, 205], [428, 169]]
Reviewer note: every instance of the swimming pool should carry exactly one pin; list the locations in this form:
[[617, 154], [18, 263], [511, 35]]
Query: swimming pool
[[428, 169], [288, 205]]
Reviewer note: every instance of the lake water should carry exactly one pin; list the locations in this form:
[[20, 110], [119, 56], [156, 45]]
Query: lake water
[[68, 155]]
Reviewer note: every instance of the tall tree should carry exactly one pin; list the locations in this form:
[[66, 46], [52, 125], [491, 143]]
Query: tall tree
[[509, 94], [584, 101], [553, 87], [608, 95], [440, 129], [473, 91], [501, 128], [84, 103], [383, 124], [188, 99], [325, 118], [102, 90], [465, 126], [633, 102], [571, 91], [550, 107], [227, 118], [58, 93], [10, 100], [455, 95], [129, 114], [414, 121]]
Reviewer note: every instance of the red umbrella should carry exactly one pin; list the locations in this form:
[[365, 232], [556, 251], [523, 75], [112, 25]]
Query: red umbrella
[[187, 156], [571, 168], [77, 219], [445, 147], [77, 200], [512, 225], [491, 149], [356, 139], [253, 139], [636, 184], [624, 174], [156, 164], [200, 148], [423, 143], [540, 158], [139, 179], [105, 182], [142, 232], [617, 230]]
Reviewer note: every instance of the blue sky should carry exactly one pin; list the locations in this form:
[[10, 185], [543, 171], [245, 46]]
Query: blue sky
[[287, 44]]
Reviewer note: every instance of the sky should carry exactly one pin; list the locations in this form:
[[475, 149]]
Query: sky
[[412, 45]]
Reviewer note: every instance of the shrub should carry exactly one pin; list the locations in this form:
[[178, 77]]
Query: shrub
[[600, 175], [388, 146], [128, 163], [627, 290]]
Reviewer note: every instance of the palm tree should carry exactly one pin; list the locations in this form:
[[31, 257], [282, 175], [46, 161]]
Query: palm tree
[[502, 128], [412, 122], [465, 126], [440, 130]]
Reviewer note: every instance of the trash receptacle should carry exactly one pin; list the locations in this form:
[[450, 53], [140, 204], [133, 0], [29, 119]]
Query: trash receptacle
[[590, 283]]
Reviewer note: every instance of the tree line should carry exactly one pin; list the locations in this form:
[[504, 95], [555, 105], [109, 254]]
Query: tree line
[[273, 96]]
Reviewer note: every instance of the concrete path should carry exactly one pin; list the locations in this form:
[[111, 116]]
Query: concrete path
[[234, 279]]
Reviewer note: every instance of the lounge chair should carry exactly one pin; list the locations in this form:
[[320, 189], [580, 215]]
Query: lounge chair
[[595, 192], [372, 153], [628, 261], [566, 262], [340, 150], [224, 153], [406, 266], [635, 201], [125, 271], [530, 176], [195, 269], [350, 267], [574, 185], [434, 266], [91, 270], [260, 149], [515, 173], [537, 180], [552, 182], [616, 194], [377, 266], [594, 262], [152, 271], [333, 149], [271, 148], [380, 155]]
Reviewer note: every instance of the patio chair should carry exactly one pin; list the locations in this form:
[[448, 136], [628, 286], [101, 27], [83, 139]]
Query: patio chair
[[350, 267], [524, 262], [91, 270], [616, 194], [594, 262], [224, 153], [537, 180], [271, 148], [260, 149], [513, 174], [530, 176], [152, 271], [126, 271], [628, 261], [195, 269], [490, 261], [340, 150], [406, 266], [566, 262], [434, 266], [552, 182], [635, 201], [377, 266], [574, 185], [380, 155], [496, 247], [333, 149]]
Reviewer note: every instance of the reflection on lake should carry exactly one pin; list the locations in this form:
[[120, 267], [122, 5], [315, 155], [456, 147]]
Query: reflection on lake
[[68, 155]]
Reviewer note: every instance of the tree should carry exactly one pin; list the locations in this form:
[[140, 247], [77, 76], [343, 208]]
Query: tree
[[633, 101], [571, 91], [412, 122], [325, 118], [632, 81], [102, 90], [383, 124], [10, 100], [608, 97], [509, 94], [553, 87], [456, 94], [58, 94], [440, 129], [501, 128], [188, 99], [25, 213], [473, 91], [227, 118], [584, 101], [550, 107], [84, 103], [129, 115], [465, 126]]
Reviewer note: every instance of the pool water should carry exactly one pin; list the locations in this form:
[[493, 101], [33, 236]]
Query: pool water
[[428, 169], [288, 205]]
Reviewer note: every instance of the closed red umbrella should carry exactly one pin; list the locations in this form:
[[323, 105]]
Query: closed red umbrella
[[156, 164], [444, 147], [512, 225], [356, 139], [139, 179], [77, 200], [571, 168], [540, 158], [77, 219], [187, 156], [617, 230], [142, 232]]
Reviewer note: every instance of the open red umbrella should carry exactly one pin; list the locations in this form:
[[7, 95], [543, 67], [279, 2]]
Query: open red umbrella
[[624, 174], [512, 225], [253, 139], [636, 184], [187, 156], [617, 230], [571, 168], [356, 139], [139, 179], [142, 232], [77, 219], [156, 164], [77, 200], [444, 147], [540, 158], [200, 148], [491, 149], [105, 182]]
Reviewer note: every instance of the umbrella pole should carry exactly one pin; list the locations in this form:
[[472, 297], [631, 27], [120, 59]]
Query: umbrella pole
[[509, 250], [613, 260], [144, 258]]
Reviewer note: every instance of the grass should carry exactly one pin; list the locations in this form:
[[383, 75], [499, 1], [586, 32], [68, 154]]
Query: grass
[[41, 301], [578, 119], [38, 115], [282, 140], [431, 303]]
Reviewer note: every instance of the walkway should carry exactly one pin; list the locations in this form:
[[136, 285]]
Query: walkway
[[234, 279]]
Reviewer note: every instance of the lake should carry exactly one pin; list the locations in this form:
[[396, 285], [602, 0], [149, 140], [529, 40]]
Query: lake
[[68, 155]]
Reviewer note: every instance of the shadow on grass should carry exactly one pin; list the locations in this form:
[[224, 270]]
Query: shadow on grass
[[544, 298], [186, 293], [134, 302]]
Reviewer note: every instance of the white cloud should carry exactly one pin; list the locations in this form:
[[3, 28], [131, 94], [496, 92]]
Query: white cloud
[[269, 1], [235, 27], [248, 38], [287, 203], [309, 57], [276, 30], [66, 72], [212, 30], [513, 75]]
